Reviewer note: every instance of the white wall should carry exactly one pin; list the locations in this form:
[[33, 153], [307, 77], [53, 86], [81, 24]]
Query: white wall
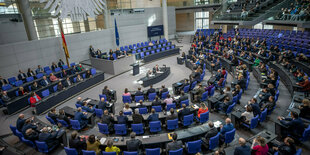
[[11, 32]]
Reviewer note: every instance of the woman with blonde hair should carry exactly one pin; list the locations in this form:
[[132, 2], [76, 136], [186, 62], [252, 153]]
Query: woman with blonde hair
[[262, 147], [127, 108], [203, 108]]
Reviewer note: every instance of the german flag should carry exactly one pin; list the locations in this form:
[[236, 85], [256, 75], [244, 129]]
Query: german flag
[[64, 45]]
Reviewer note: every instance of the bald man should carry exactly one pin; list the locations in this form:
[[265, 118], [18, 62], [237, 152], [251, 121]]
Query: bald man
[[225, 128], [20, 122], [79, 101], [243, 149], [107, 119]]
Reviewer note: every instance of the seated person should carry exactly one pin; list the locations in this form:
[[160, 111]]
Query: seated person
[[261, 147], [264, 95], [141, 105], [184, 111], [139, 92], [218, 75], [305, 84], [134, 144], [247, 115], [79, 78], [48, 138], [222, 105], [67, 82], [54, 66], [79, 101], [127, 108], [45, 81], [64, 73], [81, 117], [168, 100], [241, 82], [243, 149], [111, 148], [255, 106], [93, 144], [126, 92], [209, 134], [162, 90], [203, 109], [53, 78], [102, 104], [156, 69], [52, 114], [220, 82], [285, 148], [268, 104], [31, 135], [175, 144], [228, 93], [108, 119], [88, 74], [182, 97], [80, 67], [77, 142], [28, 125], [60, 63], [137, 118], [210, 86], [200, 91], [172, 115], [35, 86], [39, 69], [304, 109], [237, 90], [156, 102], [151, 90], [295, 126], [22, 91], [226, 128], [20, 122], [88, 108], [60, 87], [106, 91], [22, 76], [30, 73], [4, 97], [153, 116], [62, 116], [121, 119]]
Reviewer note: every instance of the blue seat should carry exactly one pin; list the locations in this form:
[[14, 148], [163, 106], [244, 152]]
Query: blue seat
[[13, 129], [50, 120], [155, 126], [42, 147], [102, 96], [126, 99], [130, 153], [164, 95], [89, 152], [93, 71], [163, 49], [176, 152], [138, 98], [46, 68], [65, 66], [298, 152], [45, 93], [120, 129], [147, 53], [193, 85], [63, 123], [103, 128], [157, 108], [263, 115], [151, 96], [128, 113], [12, 80], [230, 136], [204, 96], [72, 64], [254, 122], [141, 55], [19, 135], [172, 124], [55, 88], [6, 87], [186, 89], [204, 117], [75, 124], [155, 151], [212, 91], [19, 83], [186, 102], [230, 108], [214, 142], [78, 106], [57, 69], [143, 110], [28, 142], [158, 50], [152, 52], [169, 106], [137, 128], [235, 98], [98, 112], [306, 134], [193, 147], [188, 120], [47, 73], [71, 151], [29, 79], [39, 75]]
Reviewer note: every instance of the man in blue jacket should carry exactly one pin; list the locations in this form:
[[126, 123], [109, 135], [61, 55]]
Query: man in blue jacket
[[102, 104], [243, 149], [48, 138], [255, 106], [225, 128], [153, 116], [295, 126], [28, 125], [87, 108], [20, 122], [44, 82], [81, 117]]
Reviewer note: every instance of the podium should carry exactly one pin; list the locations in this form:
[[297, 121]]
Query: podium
[[135, 69]]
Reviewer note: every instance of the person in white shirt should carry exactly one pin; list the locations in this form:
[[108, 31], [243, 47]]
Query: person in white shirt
[[127, 108], [247, 115], [168, 100]]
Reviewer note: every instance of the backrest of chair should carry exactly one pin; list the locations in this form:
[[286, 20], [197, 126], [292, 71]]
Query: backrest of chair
[[263, 115], [93, 71], [45, 93], [78, 105], [89, 152], [19, 134], [230, 108], [57, 69], [172, 124], [235, 98], [103, 128], [72, 64], [42, 146], [120, 129], [194, 146], [12, 80], [19, 83], [151, 96], [39, 75], [128, 113], [71, 151], [306, 134], [186, 102], [28, 142], [138, 98], [65, 67], [143, 110], [164, 95], [55, 88], [137, 128], [204, 117], [6, 87], [169, 106], [204, 96], [13, 129], [62, 122], [186, 88], [29, 79], [50, 120], [176, 152], [155, 151], [102, 96], [298, 152], [188, 119], [130, 153], [75, 124], [254, 122], [157, 108], [98, 112], [193, 85], [126, 99], [46, 68], [230, 136], [212, 91], [214, 142]]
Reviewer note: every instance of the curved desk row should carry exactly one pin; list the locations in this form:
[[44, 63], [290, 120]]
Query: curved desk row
[[21, 102], [52, 100], [304, 66], [113, 66], [147, 81], [161, 54]]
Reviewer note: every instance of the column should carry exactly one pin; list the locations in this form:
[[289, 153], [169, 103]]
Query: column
[[86, 25], [25, 11], [106, 13], [165, 19]]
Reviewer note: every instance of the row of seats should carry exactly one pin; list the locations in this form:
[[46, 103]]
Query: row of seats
[[138, 45]]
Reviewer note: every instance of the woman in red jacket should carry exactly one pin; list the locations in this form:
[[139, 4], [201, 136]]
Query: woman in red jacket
[[203, 108], [33, 100]]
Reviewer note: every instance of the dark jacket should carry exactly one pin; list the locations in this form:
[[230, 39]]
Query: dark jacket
[[172, 117], [153, 117], [20, 123], [28, 126], [20, 76], [174, 146], [133, 144], [49, 139], [122, 119], [184, 112], [256, 109], [137, 118], [102, 105], [211, 133], [295, 126], [77, 144], [242, 150], [53, 116]]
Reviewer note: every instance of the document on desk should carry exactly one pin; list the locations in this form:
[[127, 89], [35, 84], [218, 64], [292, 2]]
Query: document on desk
[[176, 97], [137, 104], [195, 106], [87, 101], [145, 137], [102, 140], [217, 124]]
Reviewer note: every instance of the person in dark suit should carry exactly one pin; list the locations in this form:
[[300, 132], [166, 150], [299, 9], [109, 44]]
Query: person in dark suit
[[295, 126], [77, 142], [243, 149], [3, 81], [67, 82], [134, 144], [102, 104], [35, 86], [22, 91], [185, 111], [21, 76], [64, 73], [151, 90], [175, 144], [137, 118], [48, 138], [88, 74], [30, 73], [242, 82], [39, 69], [156, 102], [162, 90], [52, 114], [60, 87], [183, 97], [141, 105], [27, 126], [62, 116], [255, 106], [79, 101], [60, 63], [81, 117], [153, 116], [121, 119], [285, 148], [264, 95], [44, 82], [106, 91], [211, 133], [5, 98], [223, 105], [107, 119], [139, 92], [88, 108], [31, 135], [172, 115], [196, 75], [54, 66], [20, 122]]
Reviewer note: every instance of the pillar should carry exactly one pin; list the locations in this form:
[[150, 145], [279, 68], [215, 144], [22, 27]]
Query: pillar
[[106, 13], [25, 11], [165, 19], [86, 25]]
